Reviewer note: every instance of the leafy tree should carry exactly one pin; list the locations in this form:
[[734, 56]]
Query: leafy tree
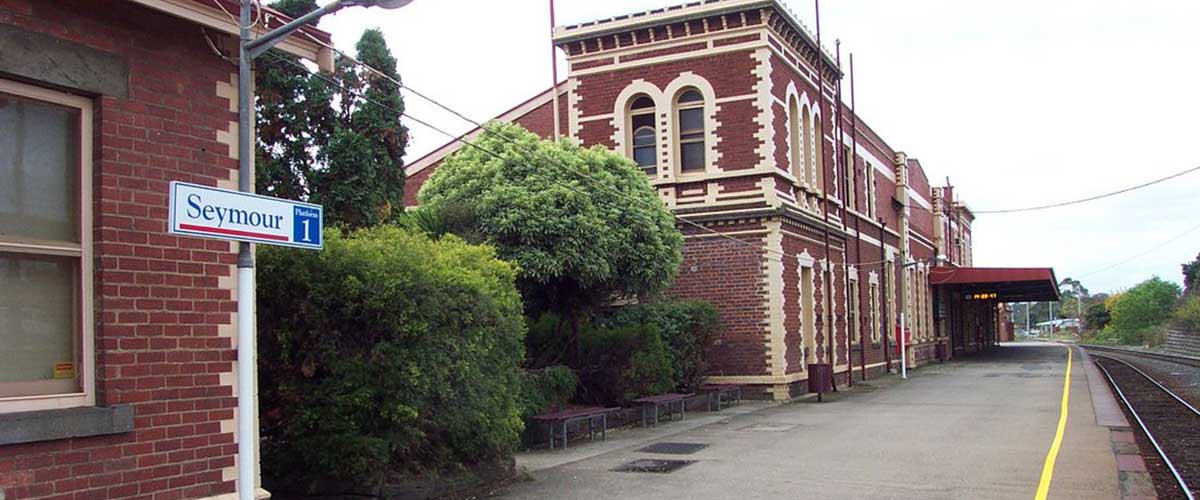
[[364, 182], [1143, 307], [1191, 276], [294, 118], [341, 148], [1096, 316], [1070, 287], [578, 244]]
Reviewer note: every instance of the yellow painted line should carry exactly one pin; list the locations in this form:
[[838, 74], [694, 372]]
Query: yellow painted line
[[1048, 467]]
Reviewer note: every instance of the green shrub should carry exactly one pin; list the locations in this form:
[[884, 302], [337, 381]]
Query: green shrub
[[623, 363], [546, 388], [385, 352], [1187, 316], [687, 326]]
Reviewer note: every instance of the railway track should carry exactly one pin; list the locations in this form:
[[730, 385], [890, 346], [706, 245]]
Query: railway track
[[1171, 424], [1160, 356]]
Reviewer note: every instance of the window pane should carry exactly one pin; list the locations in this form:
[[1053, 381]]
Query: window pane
[[642, 102], [643, 136], [37, 321], [644, 156], [691, 96], [643, 120], [39, 162], [691, 156], [691, 119]]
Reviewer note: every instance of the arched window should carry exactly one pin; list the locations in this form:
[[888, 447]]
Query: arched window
[[795, 133], [690, 129], [643, 136], [818, 161], [806, 137]]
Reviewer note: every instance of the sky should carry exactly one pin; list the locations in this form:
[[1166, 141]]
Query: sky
[[1019, 102]]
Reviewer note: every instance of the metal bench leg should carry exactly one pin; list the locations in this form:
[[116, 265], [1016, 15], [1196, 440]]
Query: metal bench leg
[[564, 437], [603, 427], [591, 429], [682, 408]]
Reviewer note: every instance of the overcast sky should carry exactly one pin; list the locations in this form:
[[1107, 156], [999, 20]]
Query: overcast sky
[[1019, 102]]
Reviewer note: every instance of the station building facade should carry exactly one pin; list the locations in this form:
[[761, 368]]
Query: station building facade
[[733, 112], [117, 340]]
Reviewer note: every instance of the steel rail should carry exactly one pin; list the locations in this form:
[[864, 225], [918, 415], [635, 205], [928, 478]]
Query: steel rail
[[1173, 358], [1145, 429]]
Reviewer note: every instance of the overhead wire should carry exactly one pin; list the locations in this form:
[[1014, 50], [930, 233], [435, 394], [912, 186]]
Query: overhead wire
[[564, 168], [1143, 254], [1090, 198]]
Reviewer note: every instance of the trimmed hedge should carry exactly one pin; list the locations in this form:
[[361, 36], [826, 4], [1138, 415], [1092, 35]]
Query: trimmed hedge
[[386, 352]]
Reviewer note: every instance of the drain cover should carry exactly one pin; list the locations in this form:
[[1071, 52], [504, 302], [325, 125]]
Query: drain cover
[[674, 448], [769, 427], [654, 465]]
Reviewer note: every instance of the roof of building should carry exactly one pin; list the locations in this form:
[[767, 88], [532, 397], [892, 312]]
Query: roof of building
[[682, 12], [1009, 284], [453, 145], [222, 16]]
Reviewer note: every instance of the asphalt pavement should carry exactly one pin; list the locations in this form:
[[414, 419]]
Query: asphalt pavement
[[978, 428]]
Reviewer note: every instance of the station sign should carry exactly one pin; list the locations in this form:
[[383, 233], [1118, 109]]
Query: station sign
[[232, 215], [981, 296]]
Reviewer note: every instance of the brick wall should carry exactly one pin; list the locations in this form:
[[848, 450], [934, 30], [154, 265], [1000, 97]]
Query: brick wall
[[164, 304], [730, 276]]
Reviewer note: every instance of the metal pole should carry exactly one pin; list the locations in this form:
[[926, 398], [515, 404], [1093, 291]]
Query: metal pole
[[828, 278], [841, 125], [554, 75], [862, 339], [246, 359]]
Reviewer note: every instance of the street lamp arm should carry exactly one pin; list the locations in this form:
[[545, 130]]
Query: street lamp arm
[[260, 45]]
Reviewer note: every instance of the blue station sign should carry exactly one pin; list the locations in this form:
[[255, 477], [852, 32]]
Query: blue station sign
[[232, 215]]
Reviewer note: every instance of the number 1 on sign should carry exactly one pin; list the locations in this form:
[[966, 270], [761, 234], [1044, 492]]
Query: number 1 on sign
[[306, 233]]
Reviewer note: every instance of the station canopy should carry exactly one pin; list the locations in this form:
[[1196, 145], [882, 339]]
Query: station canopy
[[999, 284]]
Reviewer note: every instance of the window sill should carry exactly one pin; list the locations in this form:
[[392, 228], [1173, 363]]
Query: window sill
[[50, 425]]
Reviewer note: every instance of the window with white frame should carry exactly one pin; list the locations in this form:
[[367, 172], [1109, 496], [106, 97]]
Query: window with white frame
[[874, 313], [643, 138], [818, 161], [849, 168], [855, 327], [809, 317], [690, 130], [806, 132], [796, 139], [45, 249]]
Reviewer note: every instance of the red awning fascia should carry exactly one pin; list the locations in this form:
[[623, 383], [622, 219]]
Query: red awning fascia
[[1042, 278]]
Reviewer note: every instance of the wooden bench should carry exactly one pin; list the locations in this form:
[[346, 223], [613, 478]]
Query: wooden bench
[[559, 420], [670, 401], [720, 394]]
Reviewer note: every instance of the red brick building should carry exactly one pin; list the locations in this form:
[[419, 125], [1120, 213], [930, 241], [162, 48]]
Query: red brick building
[[117, 340], [806, 210]]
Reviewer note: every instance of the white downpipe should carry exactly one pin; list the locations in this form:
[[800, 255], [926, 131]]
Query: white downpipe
[[246, 372], [903, 349]]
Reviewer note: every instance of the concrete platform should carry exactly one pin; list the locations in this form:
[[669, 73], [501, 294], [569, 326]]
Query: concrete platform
[[976, 428]]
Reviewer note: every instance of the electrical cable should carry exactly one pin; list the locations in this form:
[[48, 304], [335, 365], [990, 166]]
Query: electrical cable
[[1140, 255], [552, 161], [1090, 198]]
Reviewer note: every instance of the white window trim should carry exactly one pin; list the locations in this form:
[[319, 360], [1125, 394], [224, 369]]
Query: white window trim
[[86, 364]]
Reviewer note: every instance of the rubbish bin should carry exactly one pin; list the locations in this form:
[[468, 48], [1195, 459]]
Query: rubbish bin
[[820, 377]]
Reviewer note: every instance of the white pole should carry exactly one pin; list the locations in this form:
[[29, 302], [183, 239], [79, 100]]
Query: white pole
[[903, 349], [245, 395]]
